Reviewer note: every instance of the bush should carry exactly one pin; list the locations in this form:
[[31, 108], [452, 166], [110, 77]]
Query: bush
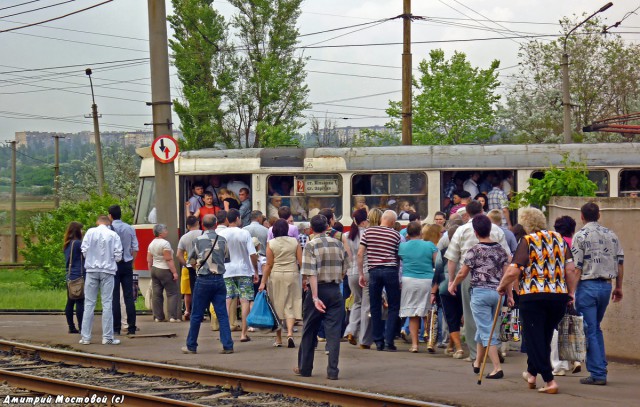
[[568, 180], [44, 236]]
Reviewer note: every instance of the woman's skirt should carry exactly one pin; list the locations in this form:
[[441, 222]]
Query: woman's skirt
[[414, 299], [286, 294]]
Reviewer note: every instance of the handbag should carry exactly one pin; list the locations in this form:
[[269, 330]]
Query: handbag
[[510, 325], [572, 343], [75, 288], [261, 315]]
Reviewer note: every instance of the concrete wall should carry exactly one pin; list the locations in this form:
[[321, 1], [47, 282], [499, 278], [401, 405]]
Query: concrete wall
[[5, 248], [621, 324]]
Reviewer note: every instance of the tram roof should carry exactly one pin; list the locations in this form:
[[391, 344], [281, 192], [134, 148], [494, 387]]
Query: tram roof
[[424, 157]]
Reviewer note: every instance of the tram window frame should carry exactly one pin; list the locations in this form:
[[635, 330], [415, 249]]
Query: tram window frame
[[146, 201], [447, 176], [624, 179], [538, 174], [418, 200], [301, 211]]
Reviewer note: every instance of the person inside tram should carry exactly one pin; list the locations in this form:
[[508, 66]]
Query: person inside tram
[[228, 199], [315, 204], [360, 202], [297, 206], [405, 208], [215, 184], [197, 199], [282, 187], [273, 205], [235, 185], [379, 185], [207, 208]]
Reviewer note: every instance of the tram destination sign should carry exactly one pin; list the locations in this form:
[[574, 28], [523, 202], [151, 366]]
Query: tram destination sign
[[321, 186]]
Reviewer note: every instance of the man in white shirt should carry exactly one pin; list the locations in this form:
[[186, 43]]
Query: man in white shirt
[[241, 269], [471, 185], [461, 242], [102, 250]]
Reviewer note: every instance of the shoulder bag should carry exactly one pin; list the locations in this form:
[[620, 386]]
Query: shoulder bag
[[75, 288]]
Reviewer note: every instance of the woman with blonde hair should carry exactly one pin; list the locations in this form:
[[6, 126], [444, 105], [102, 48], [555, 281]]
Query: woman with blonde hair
[[360, 202], [543, 268], [229, 199], [74, 265]]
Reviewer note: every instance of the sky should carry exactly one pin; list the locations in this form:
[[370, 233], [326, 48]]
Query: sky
[[43, 86]]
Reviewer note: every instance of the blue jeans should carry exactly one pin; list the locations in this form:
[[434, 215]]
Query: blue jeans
[[592, 298], [209, 289], [93, 282], [484, 302], [387, 278]]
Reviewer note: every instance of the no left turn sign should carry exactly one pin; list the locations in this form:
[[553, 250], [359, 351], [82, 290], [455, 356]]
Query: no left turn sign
[[165, 149]]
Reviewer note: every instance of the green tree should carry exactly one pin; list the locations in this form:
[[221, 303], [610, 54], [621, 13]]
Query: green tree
[[44, 235], [206, 68], [453, 102], [568, 179], [604, 82], [271, 93]]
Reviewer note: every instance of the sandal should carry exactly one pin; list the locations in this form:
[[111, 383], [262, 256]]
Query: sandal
[[459, 354], [277, 345], [413, 350]]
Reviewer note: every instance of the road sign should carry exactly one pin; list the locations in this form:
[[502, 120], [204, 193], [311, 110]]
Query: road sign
[[165, 149]]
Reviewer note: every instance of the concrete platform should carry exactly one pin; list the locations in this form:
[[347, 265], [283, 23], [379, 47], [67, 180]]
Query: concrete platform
[[421, 376]]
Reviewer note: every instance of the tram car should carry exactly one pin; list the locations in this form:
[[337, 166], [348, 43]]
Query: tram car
[[398, 178]]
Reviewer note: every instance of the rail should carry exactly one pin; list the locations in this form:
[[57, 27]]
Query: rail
[[251, 383]]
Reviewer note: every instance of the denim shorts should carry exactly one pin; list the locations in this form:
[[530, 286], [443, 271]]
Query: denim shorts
[[483, 307], [239, 287]]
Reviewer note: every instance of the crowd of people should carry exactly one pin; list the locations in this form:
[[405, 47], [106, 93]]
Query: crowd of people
[[467, 265]]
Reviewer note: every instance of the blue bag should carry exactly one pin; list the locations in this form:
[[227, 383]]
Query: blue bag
[[261, 315]]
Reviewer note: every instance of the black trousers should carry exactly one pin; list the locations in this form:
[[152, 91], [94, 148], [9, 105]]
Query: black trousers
[[124, 277], [68, 311], [452, 306], [540, 315], [331, 296]]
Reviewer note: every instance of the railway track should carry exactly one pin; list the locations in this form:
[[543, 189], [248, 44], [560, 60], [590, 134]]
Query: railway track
[[176, 383]]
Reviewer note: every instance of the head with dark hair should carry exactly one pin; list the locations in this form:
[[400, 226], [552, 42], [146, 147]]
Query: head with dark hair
[[319, 223], [115, 212], [565, 225], [222, 216], [590, 212], [192, 221], [359, 216], [473, 208], [209, 221], [414, 229], [327, 213], [280, 228], [414, 216], [482, 226], [518, 231], [256, 215], [338, 226], [208, 193], [232, 215], [73, 232], [482, 198], [464, 194], [284, 212], [198, 184], [496, 182]]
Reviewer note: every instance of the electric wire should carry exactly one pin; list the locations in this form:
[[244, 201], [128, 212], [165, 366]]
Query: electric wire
[[37, 9], [18, 5], [55, 18], [81, 31], [80, 42]]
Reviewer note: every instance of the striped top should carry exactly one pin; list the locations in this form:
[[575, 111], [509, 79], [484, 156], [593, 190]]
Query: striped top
[[382, 245]]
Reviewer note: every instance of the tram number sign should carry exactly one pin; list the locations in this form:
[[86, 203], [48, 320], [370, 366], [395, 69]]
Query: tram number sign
[[165, 149], [321, 186]]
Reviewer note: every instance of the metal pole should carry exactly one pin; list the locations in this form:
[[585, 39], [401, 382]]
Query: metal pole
[[165, 179], [14, 181], [406, 76], [56, 170], [96, 133], [566, 98]]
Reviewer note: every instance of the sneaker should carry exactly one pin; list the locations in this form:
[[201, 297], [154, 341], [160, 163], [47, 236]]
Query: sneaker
[[158, 320], [595, 382], [111, 341], [84, 342], [577, 367], [173, 320], [226, 351], [321, 339], [188, 351], [559, 372], [290, 343]]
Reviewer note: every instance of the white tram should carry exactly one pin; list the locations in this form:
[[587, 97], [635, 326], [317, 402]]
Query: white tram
[[314, 178]]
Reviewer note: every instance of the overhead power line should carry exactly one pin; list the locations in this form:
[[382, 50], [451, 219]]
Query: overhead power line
[[75, 65], [80, 31], [357, 97], [37, 9], [55, 18], [18, 5]]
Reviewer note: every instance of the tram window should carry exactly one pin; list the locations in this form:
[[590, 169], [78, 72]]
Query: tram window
[[305, 195], [146, 208], [629, 182], [405, 191], [599, 177]]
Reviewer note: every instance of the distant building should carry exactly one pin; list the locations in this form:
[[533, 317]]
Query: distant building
[[45, 139]]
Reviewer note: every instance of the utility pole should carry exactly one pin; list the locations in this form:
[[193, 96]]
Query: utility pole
[[56, 170], [96, 134], [14, 181], [406, 76], [165, 178]]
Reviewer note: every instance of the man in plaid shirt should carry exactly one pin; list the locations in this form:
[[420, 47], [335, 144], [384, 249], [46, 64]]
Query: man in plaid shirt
[[324, 263], [497, 199]]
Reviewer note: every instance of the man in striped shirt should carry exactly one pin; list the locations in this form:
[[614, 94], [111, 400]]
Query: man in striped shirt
[[324, 263], [380, 243]]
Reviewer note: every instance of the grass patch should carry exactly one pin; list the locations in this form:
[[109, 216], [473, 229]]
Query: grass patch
[[16, 292]]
